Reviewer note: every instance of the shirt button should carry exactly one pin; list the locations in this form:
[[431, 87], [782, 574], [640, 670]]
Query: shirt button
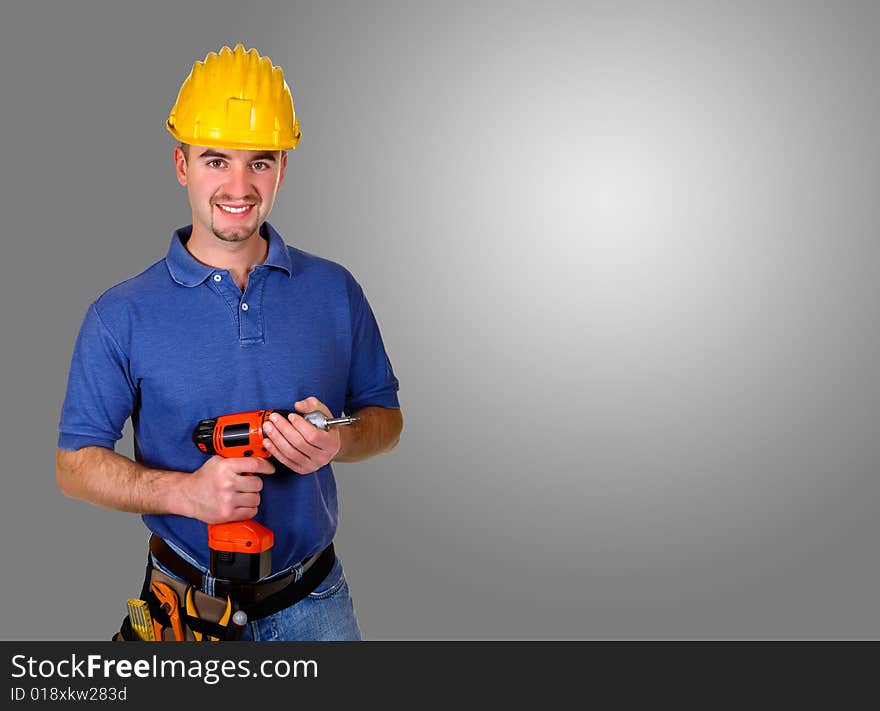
[[244, 307], [217, 277]]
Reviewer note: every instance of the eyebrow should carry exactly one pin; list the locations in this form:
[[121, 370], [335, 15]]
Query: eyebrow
[[211, 153]]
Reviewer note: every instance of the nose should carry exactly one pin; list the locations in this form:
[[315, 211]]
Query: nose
[[238, 184]]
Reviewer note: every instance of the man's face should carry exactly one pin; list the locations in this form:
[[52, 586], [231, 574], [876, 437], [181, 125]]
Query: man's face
[[231, 191]]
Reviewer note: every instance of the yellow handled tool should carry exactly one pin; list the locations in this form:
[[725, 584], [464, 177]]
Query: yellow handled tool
[[192, 611], [224, 620]]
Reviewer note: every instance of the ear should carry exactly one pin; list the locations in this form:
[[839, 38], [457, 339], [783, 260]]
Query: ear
[[283, 169], [180, 165]]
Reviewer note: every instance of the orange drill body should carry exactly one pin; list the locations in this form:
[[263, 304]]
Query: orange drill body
[[240, 550]]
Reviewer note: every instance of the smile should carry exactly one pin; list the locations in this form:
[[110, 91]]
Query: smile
[[235, 210]]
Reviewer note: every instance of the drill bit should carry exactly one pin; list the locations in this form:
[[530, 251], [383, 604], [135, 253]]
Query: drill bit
[[322, 422]]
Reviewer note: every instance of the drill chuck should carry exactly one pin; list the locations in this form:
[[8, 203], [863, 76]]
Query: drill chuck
[[203, 435]]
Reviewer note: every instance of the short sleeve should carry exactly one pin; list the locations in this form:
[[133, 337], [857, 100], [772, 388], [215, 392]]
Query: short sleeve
[[371, 379], [100, 390]]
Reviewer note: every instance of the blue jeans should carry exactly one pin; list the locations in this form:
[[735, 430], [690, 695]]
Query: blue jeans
[[327, 614]]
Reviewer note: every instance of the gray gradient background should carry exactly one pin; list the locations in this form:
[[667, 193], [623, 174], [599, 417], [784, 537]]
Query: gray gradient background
[[624, 258]]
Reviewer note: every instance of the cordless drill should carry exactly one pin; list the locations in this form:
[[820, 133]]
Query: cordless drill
[[242, 550]]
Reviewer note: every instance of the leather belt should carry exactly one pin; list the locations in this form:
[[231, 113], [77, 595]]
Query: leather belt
[[245, 593]]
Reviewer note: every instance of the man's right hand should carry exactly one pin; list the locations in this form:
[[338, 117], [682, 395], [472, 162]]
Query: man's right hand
[[219, 491]]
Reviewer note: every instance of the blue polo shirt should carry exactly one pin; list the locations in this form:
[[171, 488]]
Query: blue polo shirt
[[180, 342]]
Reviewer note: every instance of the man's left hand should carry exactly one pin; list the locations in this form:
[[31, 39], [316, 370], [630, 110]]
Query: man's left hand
[[298, 444]]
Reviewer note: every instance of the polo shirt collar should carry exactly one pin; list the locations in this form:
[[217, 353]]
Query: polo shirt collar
[[279, 255], [186, 270]]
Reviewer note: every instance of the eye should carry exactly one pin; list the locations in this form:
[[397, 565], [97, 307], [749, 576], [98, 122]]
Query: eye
[[215, 163], [260, 165]]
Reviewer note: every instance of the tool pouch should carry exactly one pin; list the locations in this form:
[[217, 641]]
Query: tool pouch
[[210, 610]]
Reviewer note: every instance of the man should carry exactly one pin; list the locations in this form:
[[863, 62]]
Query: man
[[232, 320]]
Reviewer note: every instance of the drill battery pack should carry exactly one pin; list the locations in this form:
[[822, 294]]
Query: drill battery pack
[[240, 550]]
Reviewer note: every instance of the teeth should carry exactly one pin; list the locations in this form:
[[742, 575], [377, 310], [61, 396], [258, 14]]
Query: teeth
[[234, 209]]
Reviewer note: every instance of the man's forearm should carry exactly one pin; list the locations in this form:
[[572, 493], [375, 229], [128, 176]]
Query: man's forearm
[[103, 477], [377, 431]]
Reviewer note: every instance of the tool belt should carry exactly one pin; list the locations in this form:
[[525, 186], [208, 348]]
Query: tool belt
[[180, 611]]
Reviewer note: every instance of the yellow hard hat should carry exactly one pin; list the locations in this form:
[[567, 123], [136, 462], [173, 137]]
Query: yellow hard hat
[[235, 99]]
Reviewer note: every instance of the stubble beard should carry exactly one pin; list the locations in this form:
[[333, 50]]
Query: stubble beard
[[235, 234], [232, 234]]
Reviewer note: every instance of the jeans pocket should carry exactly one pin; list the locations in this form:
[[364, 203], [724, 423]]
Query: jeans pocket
[[330, 585]]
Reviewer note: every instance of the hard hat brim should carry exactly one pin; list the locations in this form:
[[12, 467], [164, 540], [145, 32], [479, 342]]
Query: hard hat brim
[[234, 145]]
